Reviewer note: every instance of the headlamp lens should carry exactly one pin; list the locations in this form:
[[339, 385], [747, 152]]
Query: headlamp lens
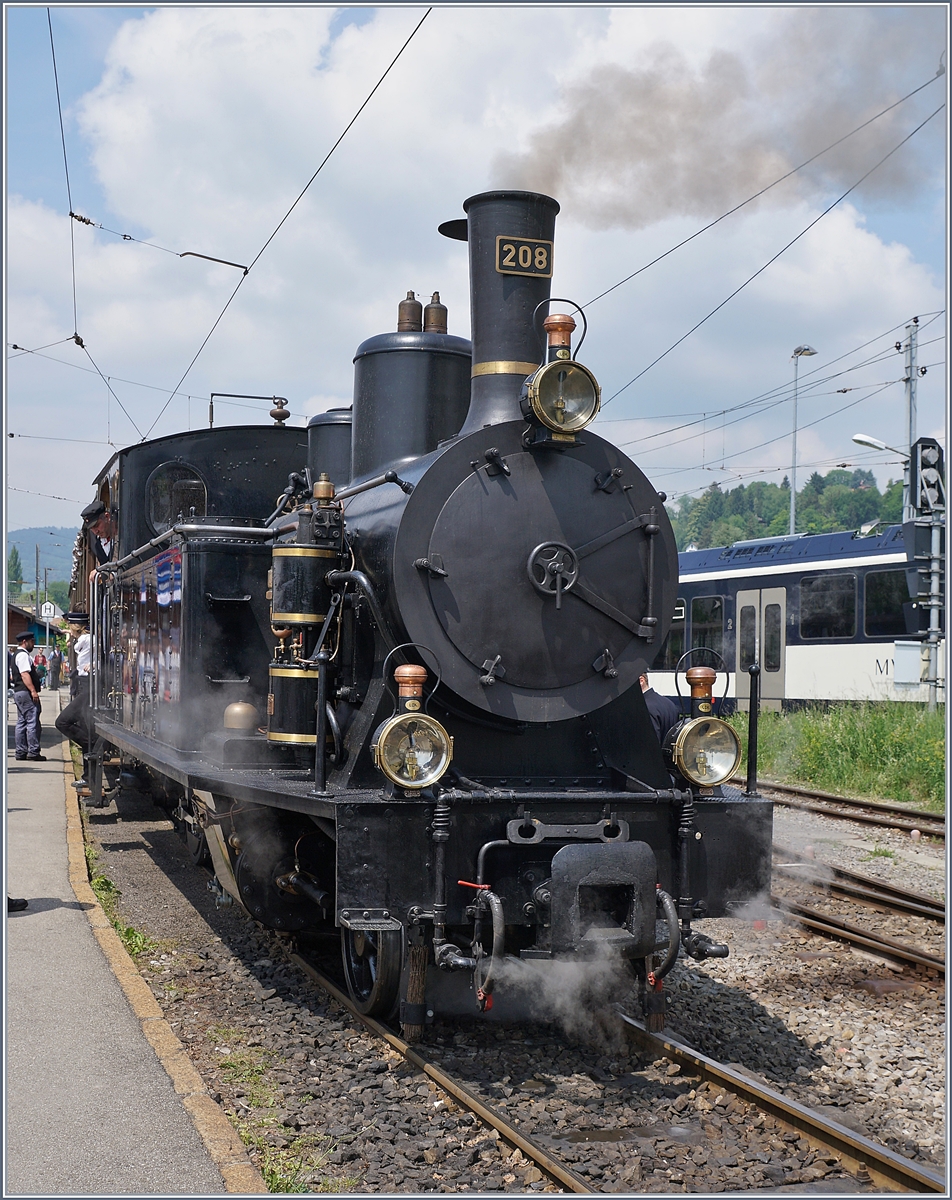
[[564, 396], [707, 751], [413, 750]]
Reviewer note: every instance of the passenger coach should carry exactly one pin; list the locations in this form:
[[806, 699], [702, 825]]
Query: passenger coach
[[831, 616]]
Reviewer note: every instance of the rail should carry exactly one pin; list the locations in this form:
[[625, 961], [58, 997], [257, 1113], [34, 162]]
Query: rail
[[459, 1091], [857, 1153]]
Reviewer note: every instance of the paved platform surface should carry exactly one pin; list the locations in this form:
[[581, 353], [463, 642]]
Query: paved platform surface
[[90, 1111]]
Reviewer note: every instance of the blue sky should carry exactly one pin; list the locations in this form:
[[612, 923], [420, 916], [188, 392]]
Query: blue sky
[[195, 128]]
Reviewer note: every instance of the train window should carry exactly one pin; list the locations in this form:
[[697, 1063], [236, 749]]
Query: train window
[[828, 606], [773, 637], [747, 629], [707, 624], [886, 593], [673, 646], [174, 489]]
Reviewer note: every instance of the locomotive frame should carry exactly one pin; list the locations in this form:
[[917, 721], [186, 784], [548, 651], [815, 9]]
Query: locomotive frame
[[522, 578]]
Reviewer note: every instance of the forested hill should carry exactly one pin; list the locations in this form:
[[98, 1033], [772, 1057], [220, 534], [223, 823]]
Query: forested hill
[[838, 500], [56, 551]]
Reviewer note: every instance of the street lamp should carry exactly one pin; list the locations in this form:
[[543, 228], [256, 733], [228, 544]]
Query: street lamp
[[864, 439], [798, 353]]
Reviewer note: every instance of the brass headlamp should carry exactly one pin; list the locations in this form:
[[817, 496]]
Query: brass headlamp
[[412, 749], [705, 750], [564, 396]]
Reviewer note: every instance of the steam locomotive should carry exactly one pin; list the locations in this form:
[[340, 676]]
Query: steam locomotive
[[387, 677]]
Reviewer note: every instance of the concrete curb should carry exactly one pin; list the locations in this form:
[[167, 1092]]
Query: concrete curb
[[227, 1151]]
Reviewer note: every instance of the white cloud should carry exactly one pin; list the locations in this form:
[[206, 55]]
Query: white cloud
[[208, 121]]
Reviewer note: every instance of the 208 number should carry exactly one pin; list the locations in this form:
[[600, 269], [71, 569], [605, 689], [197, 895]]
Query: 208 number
[[515, 257]]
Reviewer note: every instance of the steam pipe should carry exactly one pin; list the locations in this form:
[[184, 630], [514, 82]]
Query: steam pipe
[[320, 761], [484, 987], [669, 908], [360, 580], [754, 671]]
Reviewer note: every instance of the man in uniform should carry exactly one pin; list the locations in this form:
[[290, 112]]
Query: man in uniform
[[73, 721], [662, 710], [100, 523], [26, 696]]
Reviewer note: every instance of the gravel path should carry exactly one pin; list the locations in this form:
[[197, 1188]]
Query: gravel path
[[325, 1107]]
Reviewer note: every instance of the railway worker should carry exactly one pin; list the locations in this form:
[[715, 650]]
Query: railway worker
[[662, 710], [26, 696], [100, 523], [73, 722]]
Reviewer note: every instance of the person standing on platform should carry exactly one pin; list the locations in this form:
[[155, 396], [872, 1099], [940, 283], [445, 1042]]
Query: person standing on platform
[[663, 711], [56, 667], [26, 696], [73, 722]]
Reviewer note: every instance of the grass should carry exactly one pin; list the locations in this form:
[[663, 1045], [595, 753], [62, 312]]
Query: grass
[[880, 750], [135, 942], [879, 852]]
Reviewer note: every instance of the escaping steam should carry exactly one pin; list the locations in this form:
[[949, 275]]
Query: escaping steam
[[666, 138], [575, 995]]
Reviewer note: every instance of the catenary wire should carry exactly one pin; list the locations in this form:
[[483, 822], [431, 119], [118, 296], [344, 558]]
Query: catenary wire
[[757, 195], [768, 400], [69, 194], [109, 386], [274, 233], [772, 392], [45, 495], [774, 258]]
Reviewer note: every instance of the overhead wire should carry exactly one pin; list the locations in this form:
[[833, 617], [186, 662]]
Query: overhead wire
[[69, 193], [774, 257], [45, 495], [763, 190], [278, 227]]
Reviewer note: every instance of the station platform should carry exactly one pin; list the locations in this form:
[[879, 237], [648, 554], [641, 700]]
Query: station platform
[[101, 1098]]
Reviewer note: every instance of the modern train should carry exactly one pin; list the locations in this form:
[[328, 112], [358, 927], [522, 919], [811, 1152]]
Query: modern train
[[829, 617], [385, 671]]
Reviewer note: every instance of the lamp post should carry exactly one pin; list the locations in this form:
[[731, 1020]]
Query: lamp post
[[798, 353]]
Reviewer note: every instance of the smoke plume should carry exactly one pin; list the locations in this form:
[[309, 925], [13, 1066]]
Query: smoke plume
[[666, 138]]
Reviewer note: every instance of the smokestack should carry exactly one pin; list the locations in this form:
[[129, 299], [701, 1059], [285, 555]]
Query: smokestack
[[510, 237]]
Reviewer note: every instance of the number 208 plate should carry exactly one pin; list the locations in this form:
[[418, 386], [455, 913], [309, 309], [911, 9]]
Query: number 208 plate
[[517, 256]]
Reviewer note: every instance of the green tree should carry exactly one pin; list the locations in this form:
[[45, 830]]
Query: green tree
[[58, 592], [14, 572], [839, 500]]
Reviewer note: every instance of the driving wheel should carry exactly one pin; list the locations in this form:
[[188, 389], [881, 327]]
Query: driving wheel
[[373, 961]]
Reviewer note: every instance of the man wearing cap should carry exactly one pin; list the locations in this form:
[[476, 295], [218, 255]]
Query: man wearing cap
[[26, 696], [73, 721], [101, 525]]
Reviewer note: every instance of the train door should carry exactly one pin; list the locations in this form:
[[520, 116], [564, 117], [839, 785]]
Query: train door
[[761, 637]]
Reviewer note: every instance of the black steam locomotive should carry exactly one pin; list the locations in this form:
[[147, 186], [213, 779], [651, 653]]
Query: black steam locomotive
[[400, 697]]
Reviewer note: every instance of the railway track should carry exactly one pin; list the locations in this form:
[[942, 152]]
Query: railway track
[[852, 885], [852, 808], [546, 1162], [862, 1156], [867, 1160]]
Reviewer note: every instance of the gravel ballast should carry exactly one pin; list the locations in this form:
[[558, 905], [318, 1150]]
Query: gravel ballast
[[324, 1106]]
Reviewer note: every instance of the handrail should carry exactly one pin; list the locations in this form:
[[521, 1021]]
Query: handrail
[[185, 530]]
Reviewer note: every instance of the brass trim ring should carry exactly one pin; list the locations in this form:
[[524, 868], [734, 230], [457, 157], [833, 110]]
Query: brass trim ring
[[300, 739], [504, 368], [293, 672], [297, 618], [303, 552]]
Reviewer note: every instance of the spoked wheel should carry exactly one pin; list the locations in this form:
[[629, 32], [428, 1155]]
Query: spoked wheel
[[195, 840], [373, 961]]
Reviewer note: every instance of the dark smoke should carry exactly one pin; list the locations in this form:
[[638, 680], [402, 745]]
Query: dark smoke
[[663, 138]]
